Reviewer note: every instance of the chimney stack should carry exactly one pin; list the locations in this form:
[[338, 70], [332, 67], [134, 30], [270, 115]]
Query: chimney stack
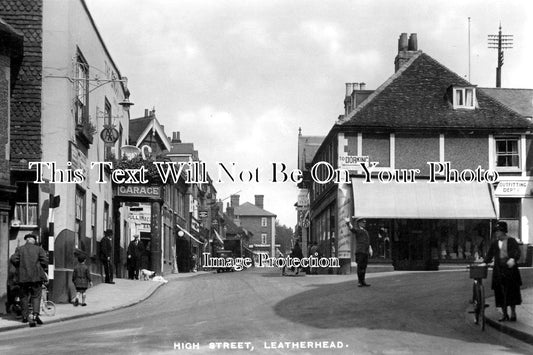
[[146, 112], [234, 200], [176, 137], [407, 48], [230, 211], [355, 86], [259, 200], [362, 86]]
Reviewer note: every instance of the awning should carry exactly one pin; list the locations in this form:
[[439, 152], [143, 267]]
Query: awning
[[189, 234], [218, 236], [423, 200]]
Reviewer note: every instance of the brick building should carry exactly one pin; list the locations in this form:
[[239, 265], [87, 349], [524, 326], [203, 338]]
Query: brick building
[[257, 221], [68, 90], [11, 53], [423, 113]]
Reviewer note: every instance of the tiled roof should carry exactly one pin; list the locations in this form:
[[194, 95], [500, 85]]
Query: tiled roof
[[416, 98], [248, 209], [26, 17], [231, 227], [307, 148], [520, 100], [182, 148], [137, 126]]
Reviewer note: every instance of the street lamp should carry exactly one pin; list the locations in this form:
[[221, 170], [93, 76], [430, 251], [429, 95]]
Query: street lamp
[[126, 104]]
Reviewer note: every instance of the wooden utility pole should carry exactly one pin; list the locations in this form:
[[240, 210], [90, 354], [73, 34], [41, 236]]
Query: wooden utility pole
[[500, 42]]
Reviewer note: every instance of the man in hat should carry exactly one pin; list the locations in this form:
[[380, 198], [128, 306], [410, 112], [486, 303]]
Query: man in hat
[[135, 252], [30, 261], [362, 247], [106, 251], [506, 280]]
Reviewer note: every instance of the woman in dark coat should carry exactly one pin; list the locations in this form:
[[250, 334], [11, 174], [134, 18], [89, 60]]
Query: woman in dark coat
[[506, 280]]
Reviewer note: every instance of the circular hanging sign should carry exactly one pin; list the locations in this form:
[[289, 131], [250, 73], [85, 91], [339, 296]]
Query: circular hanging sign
[[109, 135]]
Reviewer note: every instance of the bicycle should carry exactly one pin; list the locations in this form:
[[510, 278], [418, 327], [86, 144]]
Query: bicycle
[[478, 272], [47, 307]]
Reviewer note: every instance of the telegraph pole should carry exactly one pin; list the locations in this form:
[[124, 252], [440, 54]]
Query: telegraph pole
[[500, 42]]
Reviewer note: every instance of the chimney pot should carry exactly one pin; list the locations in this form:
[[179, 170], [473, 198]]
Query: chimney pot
[[362, 86], [146, 112], [402, 43], [413, 45], [349, 89], [176, 137], [355, 86]]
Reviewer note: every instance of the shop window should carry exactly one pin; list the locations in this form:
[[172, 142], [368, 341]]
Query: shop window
[[26, 205], [510, 212], [79, 225], [507, 152]]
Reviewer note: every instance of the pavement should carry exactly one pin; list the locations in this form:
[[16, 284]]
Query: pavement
[[522, 329], [124, 293], [100, 298]]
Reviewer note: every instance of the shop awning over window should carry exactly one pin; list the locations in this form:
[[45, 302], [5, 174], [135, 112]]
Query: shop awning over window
[[423, 200], [189, 234]]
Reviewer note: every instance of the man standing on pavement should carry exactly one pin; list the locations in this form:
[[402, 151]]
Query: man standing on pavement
[[106, 250], [135, 252], [30, 261], [362, 248]]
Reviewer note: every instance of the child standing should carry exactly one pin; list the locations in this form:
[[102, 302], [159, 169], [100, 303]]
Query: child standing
[[81, 277]]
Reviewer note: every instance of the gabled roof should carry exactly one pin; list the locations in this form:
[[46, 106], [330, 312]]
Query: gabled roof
[[415, 97], [141, 127], [248, 209], [520, 100], [307, 148]]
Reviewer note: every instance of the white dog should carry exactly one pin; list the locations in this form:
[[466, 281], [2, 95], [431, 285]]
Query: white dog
[[146, 275]]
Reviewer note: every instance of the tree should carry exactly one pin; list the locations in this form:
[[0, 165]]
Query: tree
[[284, 236]]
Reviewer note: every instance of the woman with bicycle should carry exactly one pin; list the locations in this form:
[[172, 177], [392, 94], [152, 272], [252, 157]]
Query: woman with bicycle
[[506, 280]]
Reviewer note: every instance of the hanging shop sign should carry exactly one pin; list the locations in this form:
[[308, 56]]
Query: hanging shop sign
[[139, 191], [109, 134]]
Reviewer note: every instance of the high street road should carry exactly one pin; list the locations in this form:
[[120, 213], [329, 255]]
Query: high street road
[[262, 312]]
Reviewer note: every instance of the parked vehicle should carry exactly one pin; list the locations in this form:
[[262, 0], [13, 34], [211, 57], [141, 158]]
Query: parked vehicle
[[225, 254]]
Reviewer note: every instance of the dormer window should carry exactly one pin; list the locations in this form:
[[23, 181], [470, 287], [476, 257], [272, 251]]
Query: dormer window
[[464, 97]]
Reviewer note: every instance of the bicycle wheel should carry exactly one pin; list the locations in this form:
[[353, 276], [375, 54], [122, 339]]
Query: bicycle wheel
[[49, 308], [477, 302], [482, 305]]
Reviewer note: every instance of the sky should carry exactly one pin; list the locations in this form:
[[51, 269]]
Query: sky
[[238, 78]]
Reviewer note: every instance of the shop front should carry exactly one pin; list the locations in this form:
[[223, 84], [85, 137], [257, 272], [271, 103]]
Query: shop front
[[419, 225], [138, 212]]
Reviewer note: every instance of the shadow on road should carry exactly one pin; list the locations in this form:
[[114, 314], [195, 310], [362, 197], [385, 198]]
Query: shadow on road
[[426, 303]]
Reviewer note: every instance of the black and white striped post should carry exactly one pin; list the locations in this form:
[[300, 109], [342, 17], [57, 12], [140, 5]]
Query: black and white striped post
[[54, 203]]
